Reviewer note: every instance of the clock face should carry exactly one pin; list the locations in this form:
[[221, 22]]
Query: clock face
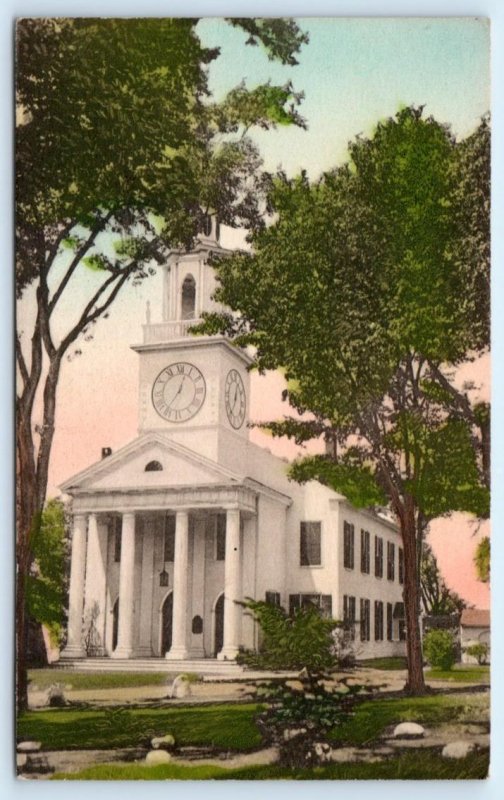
[[178, 392], [235, 399]]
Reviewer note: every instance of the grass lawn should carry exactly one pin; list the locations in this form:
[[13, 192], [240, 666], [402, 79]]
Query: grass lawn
[[407, 766], [472, 673], [393, 663], [43, 678], [373, 716], [223, 726]]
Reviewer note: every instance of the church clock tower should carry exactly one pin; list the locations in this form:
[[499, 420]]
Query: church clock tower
[[195, 389]]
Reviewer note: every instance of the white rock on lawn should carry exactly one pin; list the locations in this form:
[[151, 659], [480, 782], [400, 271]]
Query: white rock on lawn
[[457, 749], [28, 747], [408, 730], [157, 757], [163, 742], [181, 687]]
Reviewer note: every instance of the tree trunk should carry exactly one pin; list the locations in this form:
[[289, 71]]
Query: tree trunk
[[415, 684]]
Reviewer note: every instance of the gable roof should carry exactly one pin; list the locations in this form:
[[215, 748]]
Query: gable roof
[[475, 618], [113, 470]]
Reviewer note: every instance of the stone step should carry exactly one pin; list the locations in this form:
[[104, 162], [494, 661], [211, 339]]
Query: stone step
[[198, 666]]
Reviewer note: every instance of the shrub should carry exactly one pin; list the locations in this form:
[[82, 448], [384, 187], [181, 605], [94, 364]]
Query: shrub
[[478, 651], [303, 641], [439, 649]]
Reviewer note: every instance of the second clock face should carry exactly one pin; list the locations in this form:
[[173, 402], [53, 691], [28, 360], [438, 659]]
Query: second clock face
[[234, 394], [179, 392]]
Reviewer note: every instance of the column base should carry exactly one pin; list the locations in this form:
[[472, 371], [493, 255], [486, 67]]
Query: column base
[[177, 654], [122, 653], [227, 654], [73, 651]]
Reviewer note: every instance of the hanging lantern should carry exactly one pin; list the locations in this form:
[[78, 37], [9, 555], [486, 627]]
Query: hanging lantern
[[163, 578]]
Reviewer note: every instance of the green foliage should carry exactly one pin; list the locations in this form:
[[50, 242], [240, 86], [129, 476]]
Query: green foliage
[[313, 705], [479, 652], [281, 37], [303, 641], [482, 559], [46, 584], [439, 649], [355, 293], [356, 482]]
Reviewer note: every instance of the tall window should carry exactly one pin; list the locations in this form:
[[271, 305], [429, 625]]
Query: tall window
[[365, 614], [348, 545], [117, 534], [390, 622], [272, 598], [322, 602], [378, 556], [310, 548], [365, 552], [188, 297], [401, 565], [169, 538], [390, 561], [220, 538], [378, 620], [349, 614]]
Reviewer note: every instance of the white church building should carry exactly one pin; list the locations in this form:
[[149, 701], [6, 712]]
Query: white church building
[[191, 516]]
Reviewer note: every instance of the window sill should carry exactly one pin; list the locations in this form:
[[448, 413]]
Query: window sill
[[311, 566]]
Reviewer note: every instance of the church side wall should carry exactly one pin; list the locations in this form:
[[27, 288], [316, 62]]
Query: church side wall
[[355, 583]]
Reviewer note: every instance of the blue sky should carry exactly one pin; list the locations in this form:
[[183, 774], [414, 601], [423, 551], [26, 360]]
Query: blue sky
[[357, 71]]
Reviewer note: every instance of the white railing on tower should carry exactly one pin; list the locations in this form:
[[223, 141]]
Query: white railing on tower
[[165, 331]]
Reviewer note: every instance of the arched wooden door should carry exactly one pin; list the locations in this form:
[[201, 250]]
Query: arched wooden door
[[166, 624], [115, 624], [219, 625]]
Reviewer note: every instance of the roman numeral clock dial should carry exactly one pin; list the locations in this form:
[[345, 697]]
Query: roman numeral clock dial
[[235, 399], [179, 392]]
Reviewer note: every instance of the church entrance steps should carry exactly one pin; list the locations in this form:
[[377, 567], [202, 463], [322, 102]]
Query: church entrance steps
[[202, 666]]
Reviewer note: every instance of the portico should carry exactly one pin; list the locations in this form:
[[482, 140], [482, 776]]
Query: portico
[[148, 570]]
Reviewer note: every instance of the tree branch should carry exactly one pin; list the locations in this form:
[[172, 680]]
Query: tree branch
[[21, 361], [86, 317], [77, 259]]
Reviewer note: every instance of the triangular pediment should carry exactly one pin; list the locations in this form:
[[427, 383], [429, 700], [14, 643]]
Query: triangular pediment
[[126, 468]]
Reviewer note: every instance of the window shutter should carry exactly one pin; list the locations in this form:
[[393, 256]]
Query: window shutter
[[326, 605], [294, 603], [273, 598]]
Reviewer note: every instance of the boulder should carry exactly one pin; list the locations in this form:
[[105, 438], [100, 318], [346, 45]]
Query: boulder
[[181, 687], [457, 749], [28, 747], [408, 730], [21, 759], [322, 751], [157, 757], [163, 742]]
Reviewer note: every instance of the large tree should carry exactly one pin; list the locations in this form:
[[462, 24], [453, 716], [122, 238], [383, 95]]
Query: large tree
[[120, 151], [369, 290]]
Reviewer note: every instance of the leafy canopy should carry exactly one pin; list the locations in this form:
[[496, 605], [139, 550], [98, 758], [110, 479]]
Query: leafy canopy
[[359, 290]]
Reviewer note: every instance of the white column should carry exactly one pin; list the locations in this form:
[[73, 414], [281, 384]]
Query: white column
[[124, 647], [145, 644], [232, 586], [96, 577], [178, 649], [74, 648]]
